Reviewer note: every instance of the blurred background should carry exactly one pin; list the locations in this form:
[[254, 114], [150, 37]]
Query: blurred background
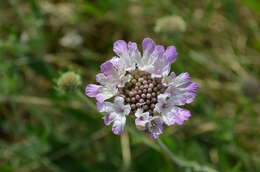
[[43, 129]]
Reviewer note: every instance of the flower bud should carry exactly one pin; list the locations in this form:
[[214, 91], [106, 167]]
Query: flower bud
[[69, 81]]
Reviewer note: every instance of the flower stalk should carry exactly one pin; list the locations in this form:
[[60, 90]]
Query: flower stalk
[[126, 152], [181, 162]]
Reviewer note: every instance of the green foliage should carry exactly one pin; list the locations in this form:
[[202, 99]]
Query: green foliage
[[253, 4], [45, 131]]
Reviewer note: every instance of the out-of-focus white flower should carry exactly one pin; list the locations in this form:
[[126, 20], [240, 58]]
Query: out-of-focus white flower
[[71, 39], [170, 24]]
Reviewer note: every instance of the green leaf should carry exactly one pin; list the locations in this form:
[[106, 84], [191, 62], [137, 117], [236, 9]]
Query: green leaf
[[91, 9], [253, 4], [6, 168]]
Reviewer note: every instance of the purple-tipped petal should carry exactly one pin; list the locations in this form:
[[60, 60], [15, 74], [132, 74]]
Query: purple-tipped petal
[[92, 90], [99, 92], [176, 116], [169, 118], [117, 63], [148, 45], [142, 118], [191, 92], [181, 115], [120, 47], [108, 118], [118, 126], [132, 46], [158, 51], [106, 80], [128, 53], [106, 68], [115, 113], [100, 98], [101, 78], [140, 122], [170, 54], [183, 78], [182, 90], [133, 51], [100, 106], [156, 127], [172, 75], [158, 62]]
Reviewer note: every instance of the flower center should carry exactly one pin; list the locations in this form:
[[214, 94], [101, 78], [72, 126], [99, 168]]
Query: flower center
[[142, 91]]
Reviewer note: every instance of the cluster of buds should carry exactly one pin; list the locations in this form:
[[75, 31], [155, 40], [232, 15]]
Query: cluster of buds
[[142, 91]]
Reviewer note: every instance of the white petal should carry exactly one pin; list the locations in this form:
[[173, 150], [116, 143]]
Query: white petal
[[142, 119], [106, 93], [124, 80], [163, 106], [168, 79]]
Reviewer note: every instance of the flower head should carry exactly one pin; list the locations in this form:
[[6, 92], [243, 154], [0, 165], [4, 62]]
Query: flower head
[[141, 84], [69, 81]]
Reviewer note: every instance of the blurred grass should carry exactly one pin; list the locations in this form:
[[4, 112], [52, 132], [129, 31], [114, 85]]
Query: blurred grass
[[43, 130]]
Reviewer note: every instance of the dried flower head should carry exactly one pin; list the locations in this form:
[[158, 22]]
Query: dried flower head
[[142, 85]]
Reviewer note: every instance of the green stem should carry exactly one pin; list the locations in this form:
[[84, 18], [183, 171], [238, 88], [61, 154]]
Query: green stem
[[126, 153], [182, 162]]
